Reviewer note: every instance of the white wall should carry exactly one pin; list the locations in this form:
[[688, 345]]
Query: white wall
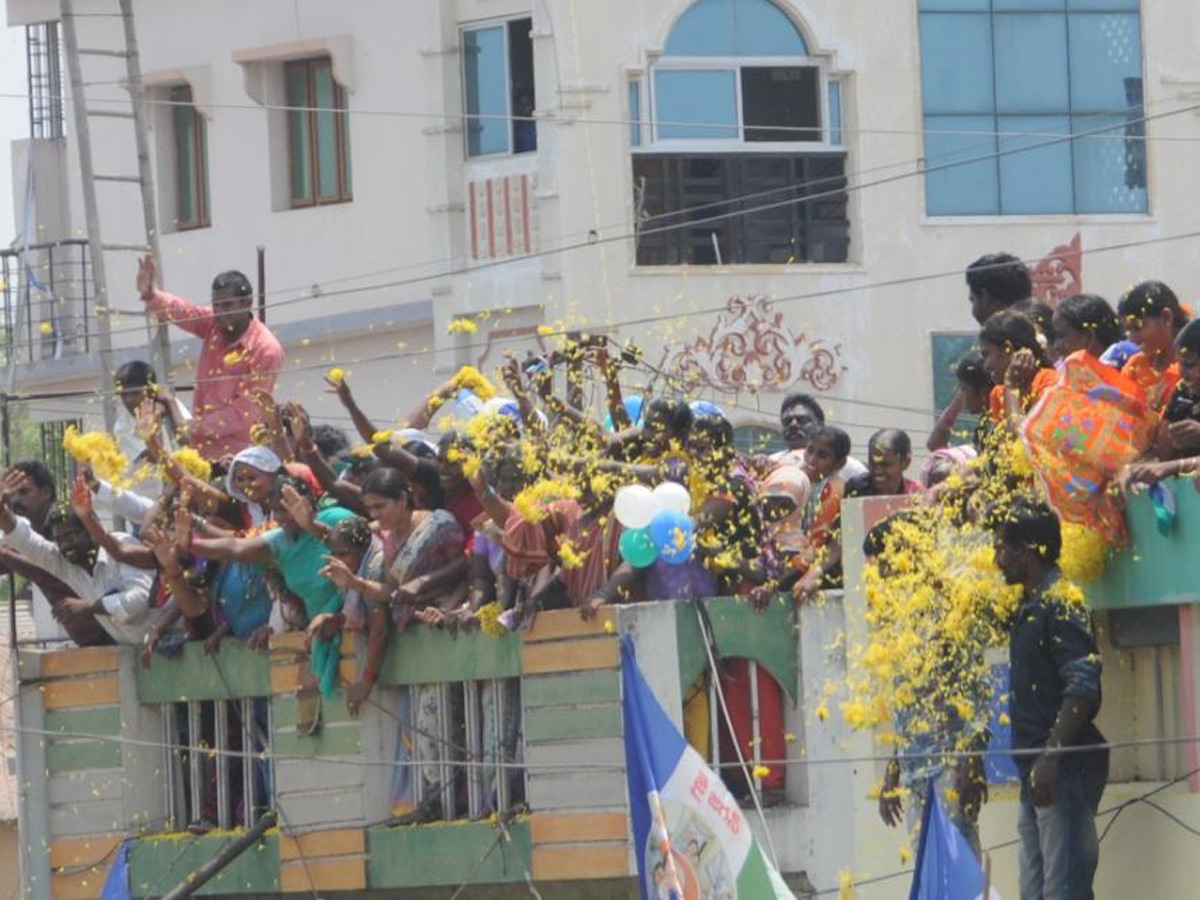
[[407, 218]]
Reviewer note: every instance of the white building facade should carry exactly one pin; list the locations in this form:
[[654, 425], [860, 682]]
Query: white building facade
[[656, 191], [766, 196]]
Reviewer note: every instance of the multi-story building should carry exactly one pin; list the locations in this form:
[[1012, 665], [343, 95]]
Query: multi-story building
[[765, 196]]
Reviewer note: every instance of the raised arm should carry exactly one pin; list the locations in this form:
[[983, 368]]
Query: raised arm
[[348, 495], [130, 553], [197, 320], [340, 388]]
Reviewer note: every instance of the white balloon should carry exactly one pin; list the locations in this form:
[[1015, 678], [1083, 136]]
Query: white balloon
[[672, 495], [635, 506]]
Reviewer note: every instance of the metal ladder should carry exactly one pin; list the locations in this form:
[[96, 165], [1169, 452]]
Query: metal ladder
[[144, 179]]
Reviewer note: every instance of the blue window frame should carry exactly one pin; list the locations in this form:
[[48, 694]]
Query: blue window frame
[[1032, 107]]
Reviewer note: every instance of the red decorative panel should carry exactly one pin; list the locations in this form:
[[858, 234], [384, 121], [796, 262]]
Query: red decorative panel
[[752, 348], [500, 214], [1060, 274]]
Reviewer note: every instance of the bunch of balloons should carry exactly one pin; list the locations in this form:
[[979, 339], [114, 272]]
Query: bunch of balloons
[[656, 524]]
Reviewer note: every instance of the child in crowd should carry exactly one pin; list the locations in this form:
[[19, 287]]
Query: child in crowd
[[889, 456], [1152, 316], [1017, 364], [1084, 322], [974, 389]]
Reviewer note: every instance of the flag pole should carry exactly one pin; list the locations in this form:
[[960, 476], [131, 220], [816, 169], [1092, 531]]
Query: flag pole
[[716, 682], [987, 876]]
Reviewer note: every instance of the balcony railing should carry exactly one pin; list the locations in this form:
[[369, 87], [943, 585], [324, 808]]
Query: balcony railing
[[104, 754], [47, 292]]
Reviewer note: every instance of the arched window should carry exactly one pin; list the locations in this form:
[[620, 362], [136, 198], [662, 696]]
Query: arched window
[[738, 108]]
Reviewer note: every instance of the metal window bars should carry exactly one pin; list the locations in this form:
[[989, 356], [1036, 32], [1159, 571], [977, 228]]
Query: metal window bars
[[463, 743], [43, 54], [221, 789], [47, 291], [753, 758]]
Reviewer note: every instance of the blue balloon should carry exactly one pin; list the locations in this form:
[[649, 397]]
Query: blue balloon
[[673, 535]]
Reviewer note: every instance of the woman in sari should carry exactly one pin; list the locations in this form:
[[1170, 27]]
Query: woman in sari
[[419, 579]]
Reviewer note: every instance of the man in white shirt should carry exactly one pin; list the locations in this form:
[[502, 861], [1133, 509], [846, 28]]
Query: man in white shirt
[[799, 416], [118, 595], [135, 383]]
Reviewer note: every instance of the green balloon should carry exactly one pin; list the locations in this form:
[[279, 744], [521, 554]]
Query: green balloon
[[637, 547]]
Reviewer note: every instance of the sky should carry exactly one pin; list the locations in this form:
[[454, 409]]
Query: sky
[[14, 120]]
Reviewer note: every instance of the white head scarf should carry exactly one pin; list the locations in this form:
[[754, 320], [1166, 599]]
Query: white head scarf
[[264, 459]]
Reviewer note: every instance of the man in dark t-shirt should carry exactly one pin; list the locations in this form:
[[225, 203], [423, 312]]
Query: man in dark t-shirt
[[1053, 702]]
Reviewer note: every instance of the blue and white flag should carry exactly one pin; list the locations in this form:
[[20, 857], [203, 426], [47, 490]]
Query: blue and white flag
[[116, 886], [946, 865], [690, 837]]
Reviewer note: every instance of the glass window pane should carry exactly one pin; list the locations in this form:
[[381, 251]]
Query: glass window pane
[[1029, 5], [184, 121], [705, 29], [1106, 62], [762, 29], [956, 64], [970, 189], [835, 112], [1104, 5], [485, 80], [781, 103], [325, 101], [1035, 182], [1110, 167], [301, 164], [696, 104], [635, 114], [1031, 63], [735, 28], [954, 5]]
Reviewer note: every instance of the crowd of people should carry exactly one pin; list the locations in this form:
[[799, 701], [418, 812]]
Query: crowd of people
[[245, 519]]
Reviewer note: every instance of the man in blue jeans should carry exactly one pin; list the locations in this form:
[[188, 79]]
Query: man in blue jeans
[[1054, 699]]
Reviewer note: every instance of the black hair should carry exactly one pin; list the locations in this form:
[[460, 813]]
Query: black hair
[[386, 482], [354, 531], [1031, 523], [1013, 331], [893, 439], [718, 429], [330, 441], [1151, 298], [419, 449], [805, 400], [136, 373], [453, 438], [1002, 276], [676, 415], [37, 472], [62, 514], [360, 464], [301, 486], [232, 283], [1093, 314], [1188, 339], [838, 439], [1041, 314], [875, 543], [969, 370]]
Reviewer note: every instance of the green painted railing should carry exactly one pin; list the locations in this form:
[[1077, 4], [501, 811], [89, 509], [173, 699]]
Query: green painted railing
[[1155, 569], [195, 675]]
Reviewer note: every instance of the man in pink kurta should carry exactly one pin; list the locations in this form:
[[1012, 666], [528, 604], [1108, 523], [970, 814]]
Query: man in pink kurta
[[239, 360]]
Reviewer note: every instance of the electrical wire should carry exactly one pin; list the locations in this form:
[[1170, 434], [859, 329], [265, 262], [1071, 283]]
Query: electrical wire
[[572, 767], [559, 117], [638, 233]]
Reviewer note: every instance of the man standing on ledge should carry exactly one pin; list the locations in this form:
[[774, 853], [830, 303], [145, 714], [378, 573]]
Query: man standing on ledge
[[239, 360]]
